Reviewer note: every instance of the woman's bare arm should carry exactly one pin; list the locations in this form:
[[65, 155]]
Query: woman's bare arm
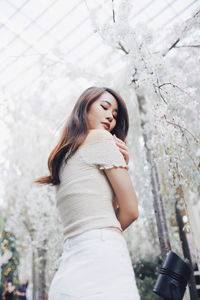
[[126, 197], [121, 184]]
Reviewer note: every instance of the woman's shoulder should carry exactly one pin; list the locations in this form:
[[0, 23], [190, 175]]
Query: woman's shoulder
[[97, 135]]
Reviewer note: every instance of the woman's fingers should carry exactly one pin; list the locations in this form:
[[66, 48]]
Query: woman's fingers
[[125, 154], [123, 148], [122, 145], [119, 140]]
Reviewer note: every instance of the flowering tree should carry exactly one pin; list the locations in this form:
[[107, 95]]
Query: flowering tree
[[166, 94], [160, 87]]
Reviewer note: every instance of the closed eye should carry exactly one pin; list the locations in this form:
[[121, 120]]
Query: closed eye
[[105, 108]]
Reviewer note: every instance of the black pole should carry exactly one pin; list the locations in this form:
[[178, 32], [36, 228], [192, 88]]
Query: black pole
[[186, 252]]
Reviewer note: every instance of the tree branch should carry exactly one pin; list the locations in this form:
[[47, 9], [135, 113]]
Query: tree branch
[[121, 47], [175, 86], [188, 46], [159, 91], [113, 11], [174, 45], [181, 128], [196, 166]]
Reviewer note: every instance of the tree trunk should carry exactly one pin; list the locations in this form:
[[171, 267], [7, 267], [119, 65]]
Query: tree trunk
[[157, 198], [33, 275], [186, 253], [41, 274]]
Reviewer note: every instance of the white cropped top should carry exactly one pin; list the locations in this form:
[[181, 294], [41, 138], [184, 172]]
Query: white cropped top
[[84, 196]]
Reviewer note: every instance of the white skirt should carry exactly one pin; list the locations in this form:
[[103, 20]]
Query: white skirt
[[95, 265]]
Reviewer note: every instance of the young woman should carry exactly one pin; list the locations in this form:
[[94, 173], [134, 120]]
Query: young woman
[[96, 200]]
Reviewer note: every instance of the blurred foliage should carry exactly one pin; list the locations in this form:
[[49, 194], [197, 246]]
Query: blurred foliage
[[9, 270], [146, 272]]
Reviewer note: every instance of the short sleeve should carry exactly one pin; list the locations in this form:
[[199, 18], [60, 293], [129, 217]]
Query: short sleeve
[[104, 154]]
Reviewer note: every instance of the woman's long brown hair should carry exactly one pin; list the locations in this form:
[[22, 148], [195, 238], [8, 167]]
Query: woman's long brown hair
[[77, 128]]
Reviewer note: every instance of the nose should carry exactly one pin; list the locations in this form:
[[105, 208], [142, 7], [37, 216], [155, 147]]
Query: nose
[[109, 119], [109, 116]]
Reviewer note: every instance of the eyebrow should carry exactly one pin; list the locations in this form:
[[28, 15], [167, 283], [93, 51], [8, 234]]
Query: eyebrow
[[110, 104]]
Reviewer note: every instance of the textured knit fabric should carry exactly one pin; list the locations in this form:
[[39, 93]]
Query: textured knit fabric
[[84, 197]]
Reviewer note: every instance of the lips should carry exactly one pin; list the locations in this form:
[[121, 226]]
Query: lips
[[106, 125]]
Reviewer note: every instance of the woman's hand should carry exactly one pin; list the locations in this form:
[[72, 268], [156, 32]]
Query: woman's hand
[[122, 147]]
